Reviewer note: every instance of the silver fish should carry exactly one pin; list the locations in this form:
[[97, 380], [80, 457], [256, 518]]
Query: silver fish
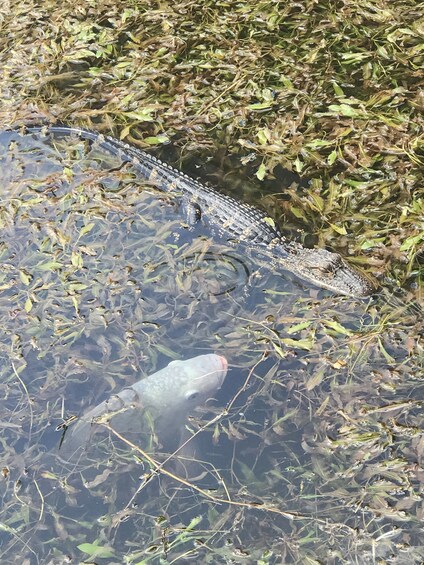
[[161, 402]]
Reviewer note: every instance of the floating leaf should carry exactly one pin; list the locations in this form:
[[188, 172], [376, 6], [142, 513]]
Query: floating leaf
[[316, 379], [412, 241], [194, 522], [338, 91], [76, 259], [68, 173], [337, 327], [87, 228], [281, 353], [94, 550], [49, 266], [339, 229], [299, 327], [28, 305], [141, 115], [261, 172], [264, 136], [25, 278], [306, 344], [260, 106], [298, 165], [156, 140], [269, 221], [345, 110], [332, 157]]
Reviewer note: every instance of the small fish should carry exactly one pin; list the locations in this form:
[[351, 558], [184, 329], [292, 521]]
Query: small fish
[[161, 402]]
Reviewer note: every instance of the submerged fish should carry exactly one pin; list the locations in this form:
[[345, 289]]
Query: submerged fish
[[159, 403]]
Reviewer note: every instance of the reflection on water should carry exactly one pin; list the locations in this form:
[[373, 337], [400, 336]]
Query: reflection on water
[[314, 439]]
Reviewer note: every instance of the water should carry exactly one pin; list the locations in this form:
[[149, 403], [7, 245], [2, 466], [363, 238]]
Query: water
[[315, 436]]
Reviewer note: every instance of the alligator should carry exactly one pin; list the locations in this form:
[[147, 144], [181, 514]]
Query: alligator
[[243, 223]]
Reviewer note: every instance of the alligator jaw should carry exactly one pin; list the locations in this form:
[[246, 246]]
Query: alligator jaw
[[329, 270]]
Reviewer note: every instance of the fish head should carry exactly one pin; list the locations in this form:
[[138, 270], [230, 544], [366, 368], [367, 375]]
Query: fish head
[[197, 379]]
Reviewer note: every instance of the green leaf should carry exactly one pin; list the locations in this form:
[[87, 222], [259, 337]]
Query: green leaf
[[75, 286], [279, 350], [269, 221], [339, 229], [412, 242], [156, 140], [76, 260], [337, 327], [82, 54], [345, 110], [68, 173], [317, 202], [298, 327], [259, 106], [140, 116], [332, 157], [264, 136], [286, 82], [124, 132], [298, 212], [194, 522], [337, 89], [370, 243], [95, 550], [306, 344], [25, 278], [318, 143], [87, 228], [354, 57], [298, 165], [261, 172], [49, 266], [315, 380]]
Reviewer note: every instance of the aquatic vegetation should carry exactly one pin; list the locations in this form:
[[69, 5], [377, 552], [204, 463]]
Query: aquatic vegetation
[[313, 451]]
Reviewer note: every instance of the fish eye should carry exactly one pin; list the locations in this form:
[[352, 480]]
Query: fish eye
[[191, 395]]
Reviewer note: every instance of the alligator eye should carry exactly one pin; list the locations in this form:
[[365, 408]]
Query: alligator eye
[[324, 269], [331, 266]]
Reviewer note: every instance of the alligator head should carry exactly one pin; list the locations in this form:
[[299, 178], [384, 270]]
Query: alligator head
[[329, 270]]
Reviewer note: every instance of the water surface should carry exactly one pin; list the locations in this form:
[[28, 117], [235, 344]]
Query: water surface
[[315, 437]]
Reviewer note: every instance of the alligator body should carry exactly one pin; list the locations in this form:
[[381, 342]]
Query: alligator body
[[242, 222]]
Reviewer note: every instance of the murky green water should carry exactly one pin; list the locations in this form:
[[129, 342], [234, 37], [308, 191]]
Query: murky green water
[[316, 440]]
